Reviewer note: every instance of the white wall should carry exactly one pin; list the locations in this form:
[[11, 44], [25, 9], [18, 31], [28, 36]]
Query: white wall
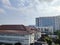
[[24, 39], [31, 38]]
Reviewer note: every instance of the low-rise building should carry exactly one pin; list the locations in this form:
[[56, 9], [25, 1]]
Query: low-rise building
[[37, 33], [17, 34], [47, 30]]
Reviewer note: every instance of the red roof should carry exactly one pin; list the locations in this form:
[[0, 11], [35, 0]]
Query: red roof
[[12, 27], [17, 29]]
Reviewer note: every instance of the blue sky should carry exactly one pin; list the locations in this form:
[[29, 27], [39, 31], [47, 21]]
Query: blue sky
[[25, 11]]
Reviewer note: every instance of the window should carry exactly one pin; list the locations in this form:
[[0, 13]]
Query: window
[[46, 30]]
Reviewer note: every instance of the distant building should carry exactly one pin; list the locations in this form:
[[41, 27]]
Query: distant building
[[52, 22], [32, 25], [17, 34], [37, 34], [46, 30]]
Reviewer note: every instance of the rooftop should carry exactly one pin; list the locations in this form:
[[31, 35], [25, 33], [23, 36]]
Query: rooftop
[[17, 29]]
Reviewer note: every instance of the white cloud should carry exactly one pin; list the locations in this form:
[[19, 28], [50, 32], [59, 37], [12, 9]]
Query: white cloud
[[24, 10], [36, 7], [57, 8], [2, 11], [53, 2], [6, 3], [46, 0]]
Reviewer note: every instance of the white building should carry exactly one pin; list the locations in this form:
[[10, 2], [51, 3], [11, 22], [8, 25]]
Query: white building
[[38, 32], [13, 34], [47, 30]]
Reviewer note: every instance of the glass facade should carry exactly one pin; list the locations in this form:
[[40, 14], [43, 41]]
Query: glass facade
[[48, 21], [45, 21]]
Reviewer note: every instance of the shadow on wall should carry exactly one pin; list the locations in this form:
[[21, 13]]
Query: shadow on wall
[[10, 44], [36, 43], [18, 44]]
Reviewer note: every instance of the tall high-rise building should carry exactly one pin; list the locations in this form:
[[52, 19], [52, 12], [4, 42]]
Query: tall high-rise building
[[53, 22]]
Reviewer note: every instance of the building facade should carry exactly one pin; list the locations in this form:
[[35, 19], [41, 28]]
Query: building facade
[[14, 34], [47, 30], [14, 39], [53, 22]]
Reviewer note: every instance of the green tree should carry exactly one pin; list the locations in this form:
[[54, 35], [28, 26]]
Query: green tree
[[48, 40], [58, 33], [57, 41]]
